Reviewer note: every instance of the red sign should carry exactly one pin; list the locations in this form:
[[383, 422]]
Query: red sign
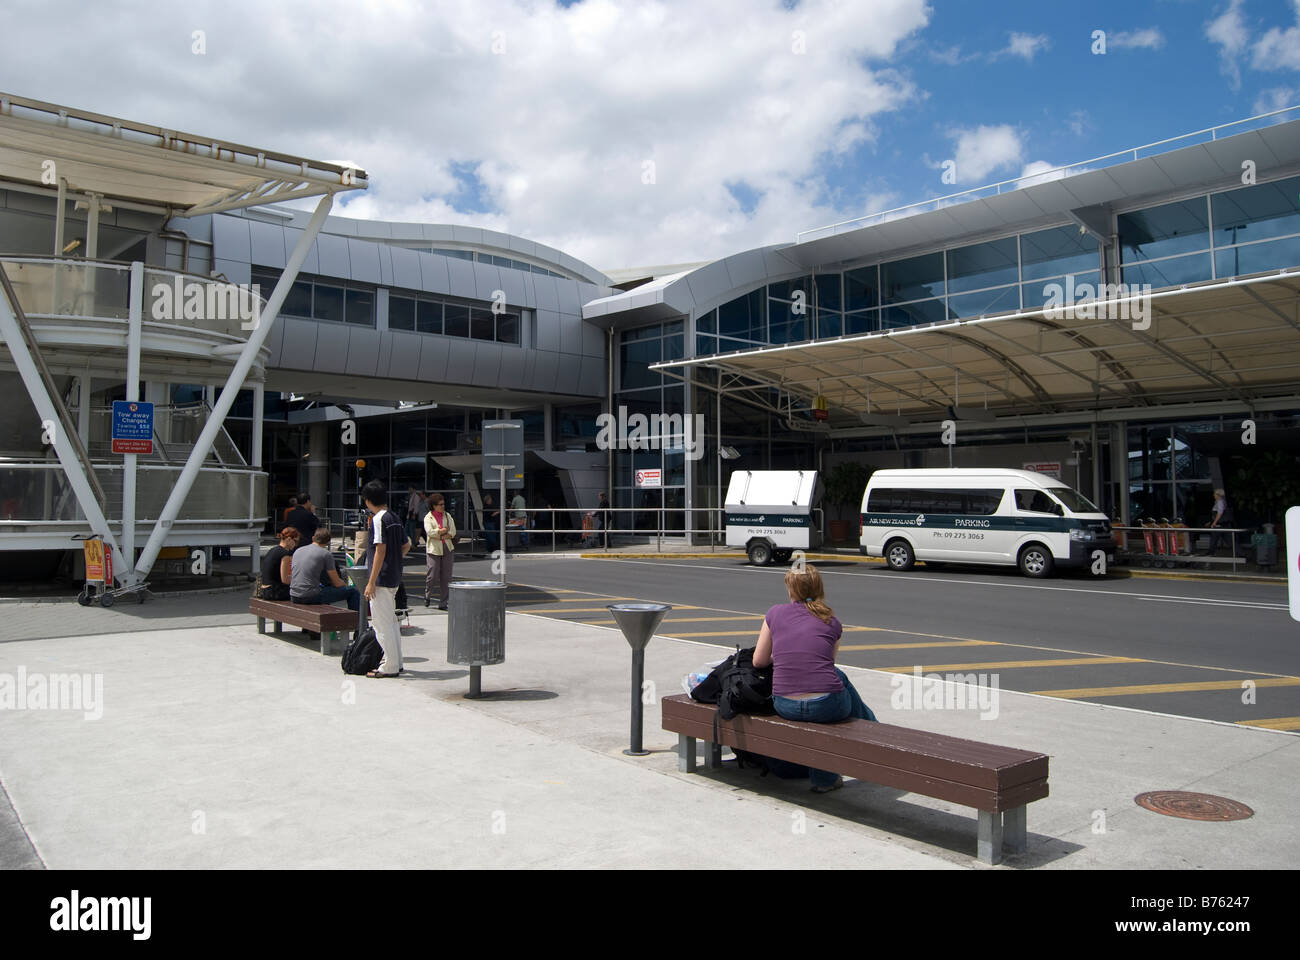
[[133, 446]]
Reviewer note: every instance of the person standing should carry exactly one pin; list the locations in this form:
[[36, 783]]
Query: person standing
[[440, 536], [1220, 518], [519, 518], [384, 559], [293, 502], [413, 500], [491, 523], [303, 519]]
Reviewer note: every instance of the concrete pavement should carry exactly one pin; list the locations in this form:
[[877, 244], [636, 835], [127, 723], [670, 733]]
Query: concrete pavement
[[221, 748]]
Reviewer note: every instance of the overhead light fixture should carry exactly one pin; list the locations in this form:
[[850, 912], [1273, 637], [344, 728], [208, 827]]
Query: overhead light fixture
[[728, 453]]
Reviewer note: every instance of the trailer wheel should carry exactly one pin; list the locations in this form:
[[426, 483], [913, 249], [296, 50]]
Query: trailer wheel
[[899, 555], [1036, 561], [760, 553]]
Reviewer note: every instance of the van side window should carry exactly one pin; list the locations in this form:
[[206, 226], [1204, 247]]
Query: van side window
[[965, 501], [1034, 501]]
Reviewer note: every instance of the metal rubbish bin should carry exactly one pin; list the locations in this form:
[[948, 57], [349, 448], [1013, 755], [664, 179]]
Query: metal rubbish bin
[[476, 627]]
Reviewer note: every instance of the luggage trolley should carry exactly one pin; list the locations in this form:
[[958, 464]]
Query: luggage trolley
[[99, 575]]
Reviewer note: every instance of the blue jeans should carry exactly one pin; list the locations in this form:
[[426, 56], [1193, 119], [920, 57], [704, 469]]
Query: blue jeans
[[828, 708], [335, 594]]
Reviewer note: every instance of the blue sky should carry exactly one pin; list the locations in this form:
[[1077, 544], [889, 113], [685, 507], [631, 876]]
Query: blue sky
[[647, 132]]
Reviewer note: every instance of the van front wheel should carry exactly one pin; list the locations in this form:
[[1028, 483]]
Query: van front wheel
[[899, 555], [1036, 561]]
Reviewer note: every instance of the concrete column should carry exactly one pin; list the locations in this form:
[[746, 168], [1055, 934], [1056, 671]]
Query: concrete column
[[318, 463]]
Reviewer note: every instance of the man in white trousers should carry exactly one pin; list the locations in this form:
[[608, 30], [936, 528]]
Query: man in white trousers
[[387, 535]]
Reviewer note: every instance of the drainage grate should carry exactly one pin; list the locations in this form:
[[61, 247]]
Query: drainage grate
[[1193, 806]]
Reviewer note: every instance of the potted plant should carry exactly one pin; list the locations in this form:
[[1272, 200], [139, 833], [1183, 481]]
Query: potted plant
[[844, 485]]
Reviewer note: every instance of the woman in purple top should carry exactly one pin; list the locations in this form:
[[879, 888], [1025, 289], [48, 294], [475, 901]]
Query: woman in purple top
[[799, 641]]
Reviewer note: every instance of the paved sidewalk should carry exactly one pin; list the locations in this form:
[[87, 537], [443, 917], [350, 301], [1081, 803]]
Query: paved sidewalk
[[221, 748]]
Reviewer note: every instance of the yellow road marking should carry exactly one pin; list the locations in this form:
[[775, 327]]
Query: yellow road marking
[[1142, 688], [576, 609], [910, 646], [1277, 723], [1013, 664], [715, 633], [669, 622]]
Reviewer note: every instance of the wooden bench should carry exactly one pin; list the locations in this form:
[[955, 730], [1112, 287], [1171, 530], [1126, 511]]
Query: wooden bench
[[997, 781], [322, 618]]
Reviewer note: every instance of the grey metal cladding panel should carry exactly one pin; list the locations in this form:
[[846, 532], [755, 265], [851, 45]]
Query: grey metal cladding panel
[[404, 359], [334, 261], [385, 264], [363, 351], [460, 360], [385, 355], [545, 371], [568, 374], [434, 272], [364, 260], [460, 277], [511, 374], [299, 350], [487, 280], [709, 283], [434, 356], [593, 380], [230, 239], [407, 231], [527, 247], [512, 282], [1191, 166], [570, 334], [570, 301], [467, 234], [593, 340], [406, 269], [275, 342], [331, 348], [746, 269], [236, 271], [545, 290], [548, 330], [487, 364], [267, 244], [345, 226], [310, 263]]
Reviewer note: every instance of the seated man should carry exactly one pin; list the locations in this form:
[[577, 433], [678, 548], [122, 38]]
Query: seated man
[[314, 578]]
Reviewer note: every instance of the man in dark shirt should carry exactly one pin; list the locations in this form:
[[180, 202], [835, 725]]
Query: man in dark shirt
[[303, 519], [384, 558]]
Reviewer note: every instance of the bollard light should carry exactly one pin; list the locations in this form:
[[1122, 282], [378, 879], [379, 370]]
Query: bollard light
[[638, 621]]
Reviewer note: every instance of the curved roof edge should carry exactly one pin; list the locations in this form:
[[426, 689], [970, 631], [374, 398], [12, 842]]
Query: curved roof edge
[[449, 235]]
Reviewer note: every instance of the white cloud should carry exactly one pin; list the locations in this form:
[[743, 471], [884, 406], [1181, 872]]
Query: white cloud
[[1276, 98], [1278, 49], [1229, 33], [556, 129], [985, 150], [1149, 38], [1025, 45], [1039, 171]]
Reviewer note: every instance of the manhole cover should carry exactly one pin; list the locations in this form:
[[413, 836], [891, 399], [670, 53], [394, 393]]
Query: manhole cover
[[1193, 806]]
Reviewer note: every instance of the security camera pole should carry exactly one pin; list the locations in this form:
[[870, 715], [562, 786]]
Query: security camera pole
[[506, 456]]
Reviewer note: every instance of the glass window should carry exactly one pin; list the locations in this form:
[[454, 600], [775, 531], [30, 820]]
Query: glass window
[[428, 317], [912, 279], [924, 311], [1034, 501], [508, 328], [455, 320], [743, 317], [786, 326], [829, 324], [828, 292], [674, 347], [707, 323], [328, 303], [401, 313], [705, 346], [635, 357], [1075, 502], [481, 324], [361, 307], [1170, 273], [863, 322], [1037, 294], [298, 302], [1261, 212], [985, 302], [408, 435], [1164, 230], [786, 289], [1257, 257], [983, 265], [1061, 250], [861, 289]]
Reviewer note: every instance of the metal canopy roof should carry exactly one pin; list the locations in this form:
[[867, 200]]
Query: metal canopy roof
[[180, 173], [1222, 340]]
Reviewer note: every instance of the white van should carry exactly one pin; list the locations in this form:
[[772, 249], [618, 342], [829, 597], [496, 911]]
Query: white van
[[772, 513], [981, 515]]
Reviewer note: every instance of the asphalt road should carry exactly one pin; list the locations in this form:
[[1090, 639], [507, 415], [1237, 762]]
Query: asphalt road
[[1172, 646]]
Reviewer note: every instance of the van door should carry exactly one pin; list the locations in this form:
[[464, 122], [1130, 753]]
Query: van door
[[1038, 516]]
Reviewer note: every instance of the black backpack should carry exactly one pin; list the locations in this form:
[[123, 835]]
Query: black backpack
[[363, 653], [737, 686]]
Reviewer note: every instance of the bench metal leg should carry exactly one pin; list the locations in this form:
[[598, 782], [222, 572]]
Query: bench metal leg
[[327, 638], [685, 753], [990, 837], [1014, 830], [261, 624], [278, 627], [713, 755]]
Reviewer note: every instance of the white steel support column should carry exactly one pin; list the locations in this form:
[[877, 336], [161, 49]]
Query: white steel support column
[[132, 395], [231, 390], [63, 447], [259, 402]]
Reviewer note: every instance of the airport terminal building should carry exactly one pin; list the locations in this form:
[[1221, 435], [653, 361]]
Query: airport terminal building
[[962, 331]]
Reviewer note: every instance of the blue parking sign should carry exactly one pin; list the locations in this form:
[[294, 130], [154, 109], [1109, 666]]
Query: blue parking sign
[[132, 426]]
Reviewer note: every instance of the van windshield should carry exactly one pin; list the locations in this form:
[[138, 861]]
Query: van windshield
[[1074, 501]]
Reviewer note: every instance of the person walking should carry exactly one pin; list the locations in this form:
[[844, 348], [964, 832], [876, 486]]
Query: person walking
[[384, 558], [315, 578], [439, 545], [799, 641]]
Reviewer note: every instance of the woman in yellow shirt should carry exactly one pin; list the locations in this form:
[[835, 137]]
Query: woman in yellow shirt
[[440, 531]]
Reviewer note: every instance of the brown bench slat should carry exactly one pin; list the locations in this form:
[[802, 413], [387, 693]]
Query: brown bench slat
[[319, 617], [962, 763]]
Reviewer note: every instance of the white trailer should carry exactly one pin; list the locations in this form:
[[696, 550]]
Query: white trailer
[[772, 513]]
